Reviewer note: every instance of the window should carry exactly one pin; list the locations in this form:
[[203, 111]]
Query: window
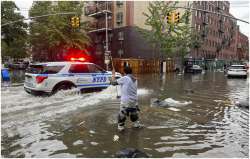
[[99, 49], [79, 68], [120, 52], [119, 3], [205, 5], [196, 13], [121, 42], [199, 27], [52, 69], [94, 68], [120, 35], [119, 18], [41, 69]]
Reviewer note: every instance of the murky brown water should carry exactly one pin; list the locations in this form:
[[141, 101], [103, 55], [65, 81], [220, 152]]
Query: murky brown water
[[212, 126]]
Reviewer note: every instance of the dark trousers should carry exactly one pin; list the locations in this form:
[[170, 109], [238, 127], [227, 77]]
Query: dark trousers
[[127, 112]]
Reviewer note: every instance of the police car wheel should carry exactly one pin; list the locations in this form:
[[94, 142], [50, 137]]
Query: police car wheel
[[63, 87]]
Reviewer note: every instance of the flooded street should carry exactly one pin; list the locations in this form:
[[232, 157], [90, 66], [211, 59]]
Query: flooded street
[[69, 124]]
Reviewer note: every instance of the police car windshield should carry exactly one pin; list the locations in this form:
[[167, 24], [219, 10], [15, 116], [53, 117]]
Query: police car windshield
[[43, 69]]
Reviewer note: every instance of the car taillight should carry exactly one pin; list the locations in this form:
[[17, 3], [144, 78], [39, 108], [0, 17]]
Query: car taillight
[[40, 79]]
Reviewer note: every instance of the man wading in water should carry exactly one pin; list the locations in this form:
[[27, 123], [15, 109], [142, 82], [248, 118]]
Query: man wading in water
[[129, 99]]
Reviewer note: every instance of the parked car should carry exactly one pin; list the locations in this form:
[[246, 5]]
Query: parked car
[[237, 71], [50, 77], [193, 69]]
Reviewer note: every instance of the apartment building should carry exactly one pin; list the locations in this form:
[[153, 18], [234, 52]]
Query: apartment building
[[219, 33], [124, 40]]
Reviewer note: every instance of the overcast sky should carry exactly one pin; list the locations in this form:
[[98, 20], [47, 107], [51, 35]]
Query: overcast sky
[[238, 8]]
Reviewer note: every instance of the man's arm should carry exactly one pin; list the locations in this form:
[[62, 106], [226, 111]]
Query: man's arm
[[113, 80]]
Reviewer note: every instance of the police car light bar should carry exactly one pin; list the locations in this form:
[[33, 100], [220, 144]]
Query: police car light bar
[[77, 59]]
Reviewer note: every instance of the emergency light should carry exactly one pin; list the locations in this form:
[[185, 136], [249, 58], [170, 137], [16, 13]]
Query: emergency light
[[77, 59]]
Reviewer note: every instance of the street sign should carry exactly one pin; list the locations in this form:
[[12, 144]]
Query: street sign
[[106, 61], [107, 57]]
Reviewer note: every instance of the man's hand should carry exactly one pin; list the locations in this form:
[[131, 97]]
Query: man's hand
[[113, 81]]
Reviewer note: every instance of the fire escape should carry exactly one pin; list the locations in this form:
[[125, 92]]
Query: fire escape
[[220, 31], [101, 27]]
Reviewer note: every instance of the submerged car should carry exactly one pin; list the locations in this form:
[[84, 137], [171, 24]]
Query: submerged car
[[237, 71], [50, 77]]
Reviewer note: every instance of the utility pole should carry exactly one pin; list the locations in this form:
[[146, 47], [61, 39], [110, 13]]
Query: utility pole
[[106, 48]]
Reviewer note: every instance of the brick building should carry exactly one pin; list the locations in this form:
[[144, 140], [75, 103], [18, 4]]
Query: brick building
[[219, 34], [242, 47]]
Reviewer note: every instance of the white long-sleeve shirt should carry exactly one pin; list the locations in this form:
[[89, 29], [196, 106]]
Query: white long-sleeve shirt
[[128, 89]]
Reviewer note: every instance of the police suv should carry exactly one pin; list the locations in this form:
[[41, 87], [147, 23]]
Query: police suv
[[50, 77]]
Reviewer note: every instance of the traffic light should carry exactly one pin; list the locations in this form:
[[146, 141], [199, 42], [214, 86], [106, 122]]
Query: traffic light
[[169, 18], [75, 22], [177, 17]]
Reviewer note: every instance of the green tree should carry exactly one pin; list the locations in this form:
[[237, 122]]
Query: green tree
[[52, 34], [172, 39], [13, 36]]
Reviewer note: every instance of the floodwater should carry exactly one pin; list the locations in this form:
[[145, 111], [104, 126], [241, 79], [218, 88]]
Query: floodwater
[[84, 125]]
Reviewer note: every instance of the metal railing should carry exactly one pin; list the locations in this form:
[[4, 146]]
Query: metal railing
[[99, 7], [101, 24]]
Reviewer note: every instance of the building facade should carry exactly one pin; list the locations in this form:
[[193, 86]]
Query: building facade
[[219, 34], [124, 39], [242, 47]]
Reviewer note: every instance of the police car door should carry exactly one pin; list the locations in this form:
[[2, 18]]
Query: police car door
[[81, 76], [99, 76]]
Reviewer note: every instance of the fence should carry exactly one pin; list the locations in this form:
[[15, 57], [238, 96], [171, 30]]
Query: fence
[[140, 66]]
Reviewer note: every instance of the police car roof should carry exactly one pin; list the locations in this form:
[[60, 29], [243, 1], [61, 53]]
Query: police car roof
[[61, 63]]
